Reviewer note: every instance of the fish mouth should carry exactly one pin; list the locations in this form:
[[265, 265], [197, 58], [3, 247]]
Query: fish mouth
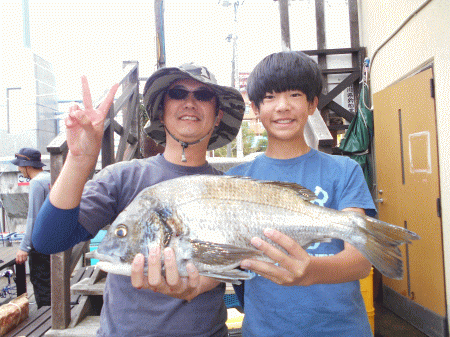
[[115, 268], [110, 264]]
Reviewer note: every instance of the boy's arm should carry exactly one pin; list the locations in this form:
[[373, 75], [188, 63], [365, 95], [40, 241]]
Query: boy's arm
[[299, 268]]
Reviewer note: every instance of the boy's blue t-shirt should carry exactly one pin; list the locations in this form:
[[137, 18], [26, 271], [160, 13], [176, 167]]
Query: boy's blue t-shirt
[[323, 309]]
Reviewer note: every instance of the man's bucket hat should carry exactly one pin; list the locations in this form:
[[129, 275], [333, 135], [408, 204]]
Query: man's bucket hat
[[28, 157], [230, 102]]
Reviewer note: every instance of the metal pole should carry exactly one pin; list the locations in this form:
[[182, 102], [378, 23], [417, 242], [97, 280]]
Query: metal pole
[[160, 40]]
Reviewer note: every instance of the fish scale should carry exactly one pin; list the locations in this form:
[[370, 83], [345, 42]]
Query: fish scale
[[210, 220]]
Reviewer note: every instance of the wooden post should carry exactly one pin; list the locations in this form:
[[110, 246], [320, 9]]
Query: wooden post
[[284, 22], [60, 278], [60, 263], [21, 279], [354, 40]]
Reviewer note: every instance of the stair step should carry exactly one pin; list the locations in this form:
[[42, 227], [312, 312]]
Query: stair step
[[86, 328], [85, 287]]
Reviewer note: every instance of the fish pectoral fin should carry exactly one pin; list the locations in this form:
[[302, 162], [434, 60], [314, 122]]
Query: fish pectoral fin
[[221, 254], [312, 243], [233, 276]]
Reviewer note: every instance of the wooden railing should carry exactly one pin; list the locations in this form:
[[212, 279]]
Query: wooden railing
[[126, 105]]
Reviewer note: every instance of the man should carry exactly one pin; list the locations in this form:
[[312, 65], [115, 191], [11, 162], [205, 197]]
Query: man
[[29, 162], [189, 113]]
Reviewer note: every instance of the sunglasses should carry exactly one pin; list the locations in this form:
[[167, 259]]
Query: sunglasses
[[202, 95]]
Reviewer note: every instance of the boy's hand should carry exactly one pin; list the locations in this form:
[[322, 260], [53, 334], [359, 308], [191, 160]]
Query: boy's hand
[[291, 270], [84, 127], [173, 284]]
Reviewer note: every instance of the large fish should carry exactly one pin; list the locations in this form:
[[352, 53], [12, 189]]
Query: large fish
[[210, 220]]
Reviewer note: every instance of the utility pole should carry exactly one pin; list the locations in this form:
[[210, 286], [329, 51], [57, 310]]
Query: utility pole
[[160, 40], [149, 147], [26, 24], [239, 145], [235, 69]]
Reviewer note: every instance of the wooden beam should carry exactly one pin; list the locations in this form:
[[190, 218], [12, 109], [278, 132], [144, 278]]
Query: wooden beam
[[348, 81], [354, 24], [339, 70], [340, 111], [320, 24], [335, 51], [284, 23], [108, 139], [321, 42]]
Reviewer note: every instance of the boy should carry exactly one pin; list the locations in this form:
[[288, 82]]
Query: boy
[[314, 292], [189, 113]]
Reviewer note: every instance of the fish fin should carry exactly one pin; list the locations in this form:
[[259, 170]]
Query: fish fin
[[381, 246], [301, 191], [221, 254], [234, 276], [312, 242]]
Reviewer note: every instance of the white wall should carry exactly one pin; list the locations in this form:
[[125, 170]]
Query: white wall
[[425, 39]]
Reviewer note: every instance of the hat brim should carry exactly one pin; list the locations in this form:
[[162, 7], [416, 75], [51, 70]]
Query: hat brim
[[230, 102], [23, 163]]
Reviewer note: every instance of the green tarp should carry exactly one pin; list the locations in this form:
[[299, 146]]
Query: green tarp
[[357, 139]]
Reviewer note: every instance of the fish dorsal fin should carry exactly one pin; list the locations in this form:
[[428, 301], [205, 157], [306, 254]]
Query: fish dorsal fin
[[301, 191]]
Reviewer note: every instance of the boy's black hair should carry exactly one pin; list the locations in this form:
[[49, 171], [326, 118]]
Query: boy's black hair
[[283, 71]]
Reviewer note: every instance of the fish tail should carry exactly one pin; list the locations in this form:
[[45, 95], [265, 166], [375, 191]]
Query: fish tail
[[381, 245]]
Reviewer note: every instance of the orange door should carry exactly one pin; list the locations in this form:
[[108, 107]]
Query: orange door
[[407, 173]]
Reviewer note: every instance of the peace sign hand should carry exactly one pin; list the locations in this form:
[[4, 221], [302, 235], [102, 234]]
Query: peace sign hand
[[84, 127]]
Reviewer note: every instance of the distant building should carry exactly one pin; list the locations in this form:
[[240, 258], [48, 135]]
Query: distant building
[[29, 102]]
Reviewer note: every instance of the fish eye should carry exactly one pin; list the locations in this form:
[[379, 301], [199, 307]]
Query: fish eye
[[121, 231]]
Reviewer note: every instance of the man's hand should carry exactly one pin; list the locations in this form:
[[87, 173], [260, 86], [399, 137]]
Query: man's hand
[[84, 132], [173, 284], [84, 127], [21, 257]]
